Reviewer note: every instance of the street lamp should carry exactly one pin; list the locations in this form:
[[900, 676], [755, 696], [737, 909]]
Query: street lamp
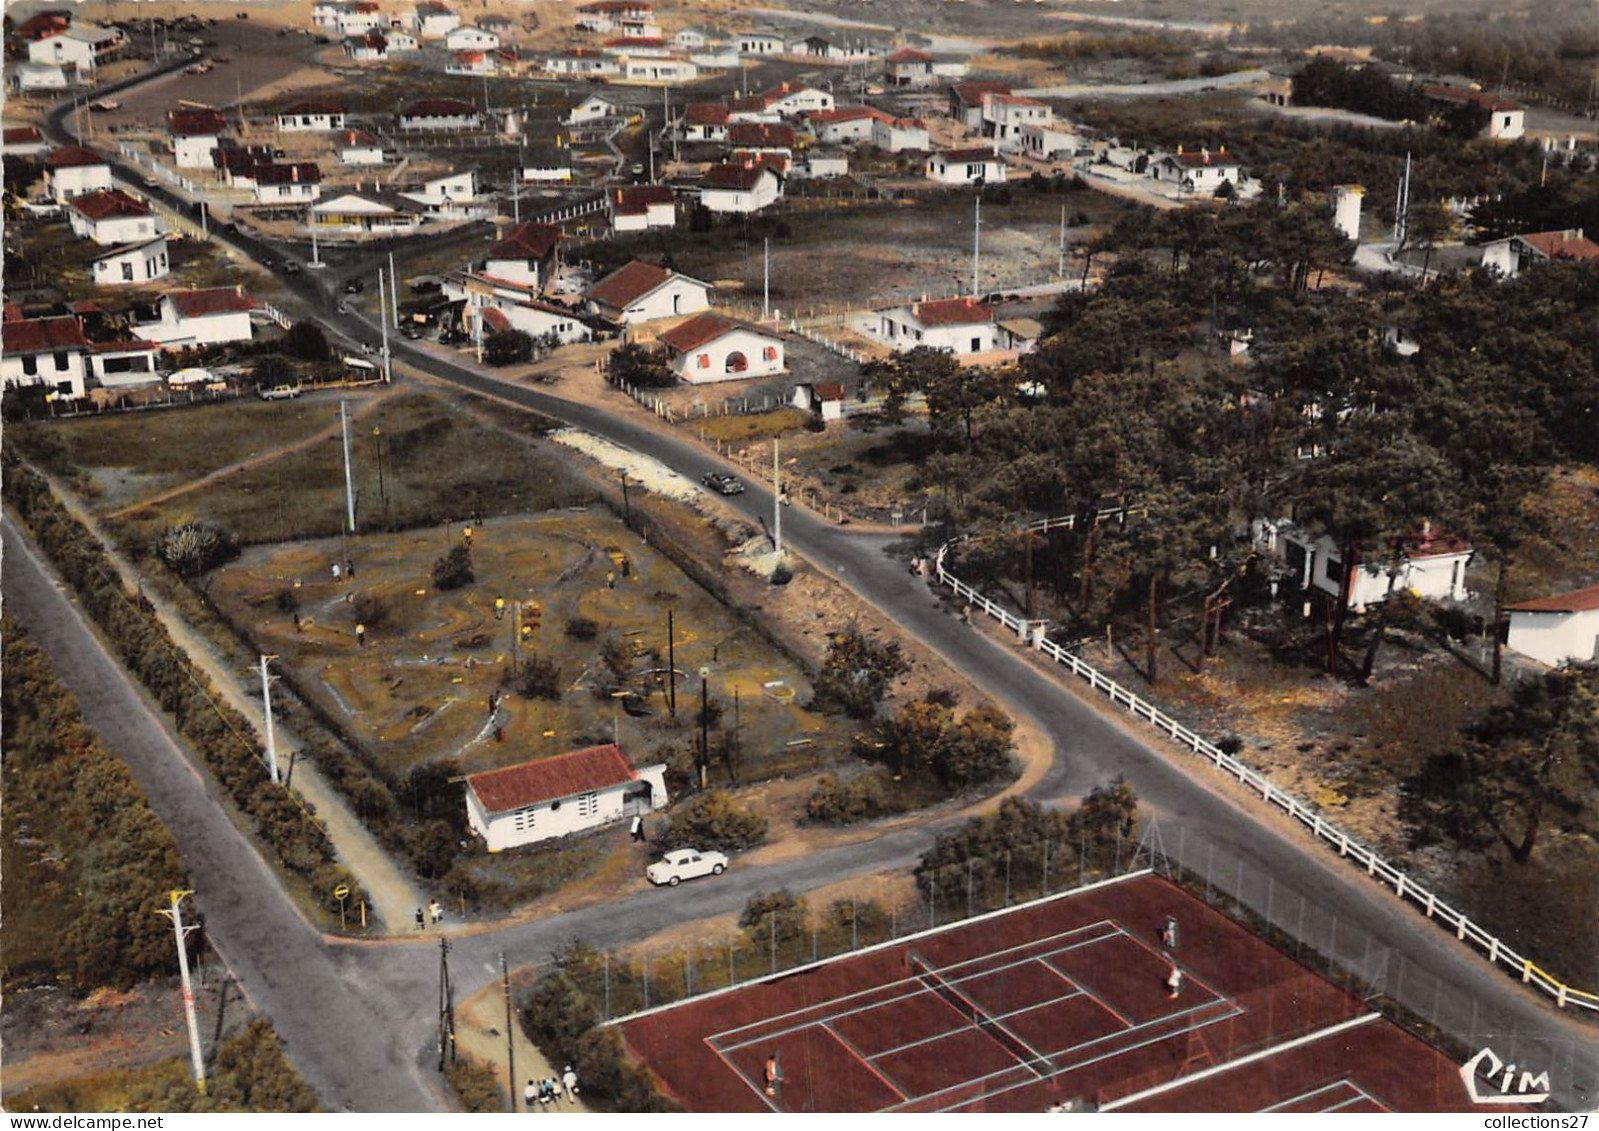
[[705, 725]]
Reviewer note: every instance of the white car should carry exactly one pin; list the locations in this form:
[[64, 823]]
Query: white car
[[685, 864]]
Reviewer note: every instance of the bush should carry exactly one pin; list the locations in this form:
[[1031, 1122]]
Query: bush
[[714, 820], [777, 912], [534, 678], [636, 365], [370, 610], [454, 569], [863, 799], [582, 628], [306, 341], [191, 549], [508, 347], [856, 674], [271, 370]]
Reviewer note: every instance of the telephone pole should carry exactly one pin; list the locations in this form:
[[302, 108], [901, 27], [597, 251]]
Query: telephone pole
[[175, 913], [671, 665], [266, 702], [349, 479], [510, 1037], [977, 236], [777, 501], [447, 1010]]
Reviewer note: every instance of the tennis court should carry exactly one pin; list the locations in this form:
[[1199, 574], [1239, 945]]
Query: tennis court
[[1066, 1000]]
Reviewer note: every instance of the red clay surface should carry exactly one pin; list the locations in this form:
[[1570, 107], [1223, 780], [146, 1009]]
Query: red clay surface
[[1060, 1000]]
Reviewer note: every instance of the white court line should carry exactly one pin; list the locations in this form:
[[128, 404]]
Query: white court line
[[1309, 1095]]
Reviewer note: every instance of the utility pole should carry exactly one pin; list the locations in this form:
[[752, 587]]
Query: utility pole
[[266, 702], [705, 726], [394, 296], [310, 222], [766, 279], [777, 502], [383, 330], [516, 196], [671, 665], [977, 236], [1061, 270], [447, 1011], [175, 913], [349, 479], [510, 1037]]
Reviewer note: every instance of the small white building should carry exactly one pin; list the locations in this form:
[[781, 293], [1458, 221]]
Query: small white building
[[74, 171], [592, 109], [198, 318], [357, 147], [793, 101], [433, 20], [583, 62], [500, 309], [1559, 629], [360, 18], [440, 114], [966, 167], [399, 40], [693, 38], [1432, 564], [637, 69], [1005, 116], [547, 164], [51, 352], [298, 182], [1046, 143], [643, 292], [1507, 119], [759, 43], [131, 263], [525, 257], [704, 121], [194, 134], [639, 208], [822, 164], [908, 67], [959, 326], [709, 348], [27, 77], [824, 400], [111, 218], [472, 63], [72, 50], [557, 796], [471, 39], [368, 48], [305, 117], [846, 125], [893, 135], [355, 214], [123, 365], [1200, 171], [744, 188], [1509, 256]]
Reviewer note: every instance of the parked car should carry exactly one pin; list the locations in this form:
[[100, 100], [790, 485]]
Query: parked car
[[685, 864], [354, 287], [278, 392], [290, 267], [452, 338], [105, 104], [722, 484], [411, 331]]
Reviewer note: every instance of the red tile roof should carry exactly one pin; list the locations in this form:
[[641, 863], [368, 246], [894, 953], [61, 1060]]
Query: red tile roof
[[23, 135], [42, 335], [215, 300], [1570, 244], [311, 108], [705, 114], [107, 203], [1475, 97], [469, 57], [439, 108], [951, 312], [300, 172], [527, 241], [635, 200], [1219, 159], [843, 114], [635, 41], [43, 26], [697, 331], [73, 157], [972, 93], [910, 55], [740, 178], [1435, 542], [1577, 601], [356, 137], [551, 779], [132, 345], [494, 318], [828, 390], [371, 39], [977, 154], [755, 103], [195, 123], [626, 284], [614, 7], [761, 135]]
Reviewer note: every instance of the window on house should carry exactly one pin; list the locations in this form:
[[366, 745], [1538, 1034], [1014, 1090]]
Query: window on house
[[769, 353], [977, 345], [588, 804], [61, 361], [523, 820], [127, 272], [705, 361], [30, 366]]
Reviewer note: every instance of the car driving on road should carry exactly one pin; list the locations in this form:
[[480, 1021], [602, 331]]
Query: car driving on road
[[722, 484], [685, 864]]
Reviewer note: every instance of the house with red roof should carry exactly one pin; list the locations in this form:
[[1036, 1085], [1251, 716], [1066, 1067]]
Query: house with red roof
[[955, 325], [25, 141], [143, 261], [111, 217], [366, 48], [357, 147], [1005, 115], [74, 171], [507, 291], [908, 67], [583, 62], [742, 188], [1506, 118], [844, 125], [792, 101], [709, 348], [569, 793], [824, 400], [194, 134], [704, 121], [643, 292], [1432, 563], [638, 208], [433, 20], [1556, 630], [1200, 170], [895, 135], [966, 101], [969, 166], [525, 256], [47, 352], [200, 317], [471, 39], [440, 114], [304, 117], [1509, 256]]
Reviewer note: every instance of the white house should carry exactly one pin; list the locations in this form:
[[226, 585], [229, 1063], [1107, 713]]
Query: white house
[[311, 116], [547, 164], [353, 213], [367, 48], [25, 141], [824, 400], [197, 318], [433, 20], [759, 43], [966, 167], [1507, 119], [45, 351], [472, 63], [298, 182], [194, 134], [1432, 563], [896, 134], [821, 47], [744, 188], [140, 262], [1509, 256], [525, 257], [121, 365], [608, 15], [709, 348], [845, 125], [1558, 629], [471, 39], [360, 18], [80, 48], [591, 109], [440, 114], [582, 62], [822, 164], [399, 40], [636, 46], [357, 147], [704, 121], [1046, 142], [749, 140], [556, 796], [500, 308], [959, 326], [325, 14], [693, 38], [1004, 116], [1197, 172], [659, 70], [793, 101], [638, 208], [73, 171], [26, 77], [642, 292], [908, 67], [752, 108], [966, 101], [111, 218]]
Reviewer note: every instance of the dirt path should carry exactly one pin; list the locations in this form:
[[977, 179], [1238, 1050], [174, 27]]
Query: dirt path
[[480, 1034]]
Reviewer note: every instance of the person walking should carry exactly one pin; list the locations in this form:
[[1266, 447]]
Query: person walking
[[421, 921], [638, 827], [437, 910], [569, 1078], [772, 1075], [1174, 982], [530, 1095]]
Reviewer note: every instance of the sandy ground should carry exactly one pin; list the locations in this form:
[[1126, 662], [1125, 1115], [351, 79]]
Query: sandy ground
[[480, 1034]]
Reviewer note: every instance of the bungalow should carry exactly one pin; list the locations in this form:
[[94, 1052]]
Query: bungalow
[[400, 40], [642, 292], [1506, 118], [471, 39], [1004, 116], [311, 116], [651, 47], [591, 109], [1046, 142], [556, 796], [117, 365], [908, 67], [25, 141], [959, 326], [26, 77], [48, 352], [139, 262], [824, 400], [607, 15], [743, 188], [709, 348], [357, 147], [197, 318], [194, 134], [440, 114], [294, 183], [638, 27], [526, 257], [759, 43], [1201, 172], [794, 101], [638, 208], [1020, 334], [325, 14], [111, 218], [361, 18], [749, 139], [705, 121], [367, 48], [966, 167], [73, 171], [693, 38], [496, 308], [433, 20], [357, 214], [846, 125], [753, 108], [821, 164], [582, 62], [471, 63], [894, 135], [1432, 564], [659, 70], [547, 164], [966, 101], [1559, 629], [1509, 256], [821, 47]]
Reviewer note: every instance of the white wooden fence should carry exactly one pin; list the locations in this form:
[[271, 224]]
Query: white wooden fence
[[1032, 633]]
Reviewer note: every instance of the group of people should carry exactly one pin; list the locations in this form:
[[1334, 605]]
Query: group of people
[[550, 1091], [435, 911]]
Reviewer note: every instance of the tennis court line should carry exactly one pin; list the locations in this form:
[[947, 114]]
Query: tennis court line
[[908, 1045], [1312, 1094], [1164, 957], [1262, 1054], [858, 1055], [1085, 991], [739, 1072]]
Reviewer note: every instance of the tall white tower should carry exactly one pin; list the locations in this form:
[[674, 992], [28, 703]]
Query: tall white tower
[[1346, 214]]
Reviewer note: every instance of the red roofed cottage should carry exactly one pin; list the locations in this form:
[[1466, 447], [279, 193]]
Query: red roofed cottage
[[556, 796], [1556, 629]]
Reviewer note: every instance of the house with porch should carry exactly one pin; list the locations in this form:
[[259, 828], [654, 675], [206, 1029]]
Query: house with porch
[[354, 213], [440, 114], [1556, 630], [790, 101], [199, 317], [47, 352], [1510, 256], [25, 141], [1432, 563], [750, 140], [1197, 171], [643, 292], [307, 117], [569, 793], [79, 48], [966, 167], [759, 43], [591, 110], [709, 348], [500, 308], [582, 62], [193, 135], [960, 326], [124, 364], [704, 121], [74, 171]]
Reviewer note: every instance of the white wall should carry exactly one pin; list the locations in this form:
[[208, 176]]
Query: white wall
[[136, 265], [193, 152], [763, 193], [707, 364], [559, 818], [1554, 638], [77, 180], [14, 372], [229, 326], [113, 229], [675, 297]]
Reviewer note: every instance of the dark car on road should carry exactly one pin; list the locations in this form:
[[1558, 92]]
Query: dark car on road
[[354, 287], [722, 484]]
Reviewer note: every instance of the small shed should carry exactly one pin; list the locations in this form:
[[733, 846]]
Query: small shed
[[1555, 630], [565, 794], [824, 400]]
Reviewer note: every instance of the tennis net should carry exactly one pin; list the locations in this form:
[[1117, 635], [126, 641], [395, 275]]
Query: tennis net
[[992, 1028]]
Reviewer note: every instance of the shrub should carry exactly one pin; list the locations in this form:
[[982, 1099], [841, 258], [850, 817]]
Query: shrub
[[534, 678], [306, 341], [194, 547], [714, 820], [475, 1085], [508, 347], [777, 912], [856, 674], [454, 569], [369, 609], [862, 799], [271, 370], [582, 628]]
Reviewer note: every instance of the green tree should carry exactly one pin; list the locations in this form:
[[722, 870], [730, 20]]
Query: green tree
[[713, 820], [856, 674], [640, 367], [508, 347], [454, 569], [270, 371], [194, 547], [779, 913], [306, 341]]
